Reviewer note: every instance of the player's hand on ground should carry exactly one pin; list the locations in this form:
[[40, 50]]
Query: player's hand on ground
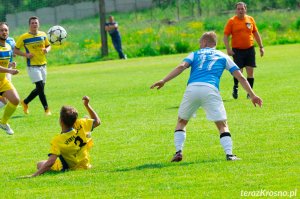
[[158, 84], [257, 101], [23, 177], [86, 100]]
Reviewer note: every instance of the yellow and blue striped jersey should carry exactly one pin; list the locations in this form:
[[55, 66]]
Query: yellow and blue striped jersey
[[73, 147], [34, 44], [5, 55]]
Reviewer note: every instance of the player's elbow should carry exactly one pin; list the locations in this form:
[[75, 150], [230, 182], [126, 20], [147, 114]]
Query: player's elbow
[[97, 122]]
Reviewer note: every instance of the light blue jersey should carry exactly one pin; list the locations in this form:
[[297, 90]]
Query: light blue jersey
[[207, 66], [12, 43]]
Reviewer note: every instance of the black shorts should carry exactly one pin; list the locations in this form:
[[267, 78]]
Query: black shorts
[[244, 57]]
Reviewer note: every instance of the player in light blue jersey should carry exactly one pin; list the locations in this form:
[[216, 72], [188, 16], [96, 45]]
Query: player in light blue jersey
[[207, 66], [12, 44]]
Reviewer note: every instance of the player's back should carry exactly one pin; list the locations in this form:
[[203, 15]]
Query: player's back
[[207, 66], [74, 145]]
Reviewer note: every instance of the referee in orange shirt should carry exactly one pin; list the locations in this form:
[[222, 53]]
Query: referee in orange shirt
[[242, 29]]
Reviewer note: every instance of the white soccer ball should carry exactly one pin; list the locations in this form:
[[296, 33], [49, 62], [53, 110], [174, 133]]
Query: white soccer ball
[[57, 35]]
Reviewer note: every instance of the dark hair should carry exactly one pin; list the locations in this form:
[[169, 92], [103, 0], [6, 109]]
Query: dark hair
[[33, 17], [241, 3], [68, 115]]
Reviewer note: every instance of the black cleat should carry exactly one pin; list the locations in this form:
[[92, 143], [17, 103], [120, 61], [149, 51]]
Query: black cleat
[[177, 157], [248, 96], [232, 157], [235, 92]]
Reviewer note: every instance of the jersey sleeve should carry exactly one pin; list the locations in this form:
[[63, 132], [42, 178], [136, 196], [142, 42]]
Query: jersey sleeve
[[230, 65], [47, 42], [228, 27], [85, 123], [190, 58], [54, 149], [19, 42], [254, 25]]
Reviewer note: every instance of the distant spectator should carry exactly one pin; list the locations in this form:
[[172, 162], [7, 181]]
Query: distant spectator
[[112, 28]]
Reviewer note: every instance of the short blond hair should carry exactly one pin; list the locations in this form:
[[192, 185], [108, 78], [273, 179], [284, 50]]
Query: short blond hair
[[210, 37]]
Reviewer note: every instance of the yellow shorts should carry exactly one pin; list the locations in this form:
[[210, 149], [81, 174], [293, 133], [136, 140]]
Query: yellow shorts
[[57, 166], [5, 85]]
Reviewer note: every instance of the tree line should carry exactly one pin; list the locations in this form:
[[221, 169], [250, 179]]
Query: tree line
[[13, 6]]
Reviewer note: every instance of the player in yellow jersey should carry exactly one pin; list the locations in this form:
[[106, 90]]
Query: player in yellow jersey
[[70, 148], [7, 90], [12, 64], [36, 45]]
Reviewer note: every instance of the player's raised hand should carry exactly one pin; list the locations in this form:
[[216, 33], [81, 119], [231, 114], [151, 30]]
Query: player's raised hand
[[86, 100], [158, 84], [257, 101]]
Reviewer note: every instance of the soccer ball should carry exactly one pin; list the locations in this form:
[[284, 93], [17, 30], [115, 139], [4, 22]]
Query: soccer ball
[[57, 35]]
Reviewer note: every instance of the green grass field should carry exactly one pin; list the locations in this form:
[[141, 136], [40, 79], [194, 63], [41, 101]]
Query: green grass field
[[134, 144]]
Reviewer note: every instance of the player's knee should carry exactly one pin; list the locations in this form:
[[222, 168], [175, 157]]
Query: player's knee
[[15, 100], [40, 164], [40, 87], [182, 121]]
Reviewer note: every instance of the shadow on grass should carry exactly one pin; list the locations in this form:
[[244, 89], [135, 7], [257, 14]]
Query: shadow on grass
[[17, 116], [173, 107], [164, 165]]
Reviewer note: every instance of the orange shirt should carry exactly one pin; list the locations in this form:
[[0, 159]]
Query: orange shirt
[[241, 31]]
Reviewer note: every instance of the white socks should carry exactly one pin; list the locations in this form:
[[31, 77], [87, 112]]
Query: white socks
[[179, 138], [226, 142]]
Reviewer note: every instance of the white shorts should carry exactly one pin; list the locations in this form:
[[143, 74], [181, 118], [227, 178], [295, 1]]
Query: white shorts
[[208, 98], [8, 76], [37, 73]]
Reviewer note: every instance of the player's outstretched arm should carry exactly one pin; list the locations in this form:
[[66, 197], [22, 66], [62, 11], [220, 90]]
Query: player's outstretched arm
[[42, 166], [254, 98], [23, 54], [8, 70], [91, 111], [46, 166], [174, 73]]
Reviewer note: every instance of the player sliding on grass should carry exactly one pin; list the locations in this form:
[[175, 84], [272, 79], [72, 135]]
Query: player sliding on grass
[[207, 66], [70, 149]]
